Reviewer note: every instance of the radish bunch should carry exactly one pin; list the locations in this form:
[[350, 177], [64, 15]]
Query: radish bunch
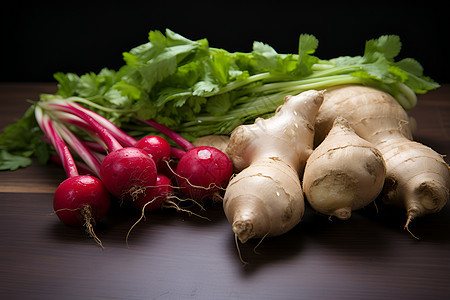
[[201, 171], [80, 199], [144, 173]]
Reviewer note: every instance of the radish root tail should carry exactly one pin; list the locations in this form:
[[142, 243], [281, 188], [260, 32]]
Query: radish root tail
[[139, 220], [188, 199], [167, 204], [89, 223], [135, 192], [171, 204]]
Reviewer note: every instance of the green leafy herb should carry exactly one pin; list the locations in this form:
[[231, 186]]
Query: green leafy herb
[[12, 162], [19, 141]]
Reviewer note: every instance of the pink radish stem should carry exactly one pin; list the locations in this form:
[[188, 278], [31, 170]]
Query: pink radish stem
[[61, 147], [79, 147], [177, 153], [111, 143], [118, 133], [185, 144], [82, 167]]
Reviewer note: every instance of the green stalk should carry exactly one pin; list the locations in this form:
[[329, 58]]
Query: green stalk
[[101, 107], [251, 79], [315, 82], [264, 103]]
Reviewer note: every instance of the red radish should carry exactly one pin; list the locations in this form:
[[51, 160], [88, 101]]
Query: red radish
[[155, 200], [126, 172], [80, 199], [202, 171], [157, 147]]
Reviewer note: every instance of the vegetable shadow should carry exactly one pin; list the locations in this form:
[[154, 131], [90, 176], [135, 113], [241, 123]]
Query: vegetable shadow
[[367, 232], [257, 254], [424, 229], [209, 214], [113, 229]]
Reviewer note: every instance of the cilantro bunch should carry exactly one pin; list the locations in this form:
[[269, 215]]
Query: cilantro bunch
[[198, 90]]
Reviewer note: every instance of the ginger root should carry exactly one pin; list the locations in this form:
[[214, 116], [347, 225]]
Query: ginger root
[[265, 198], [417, 178], [344, 173]]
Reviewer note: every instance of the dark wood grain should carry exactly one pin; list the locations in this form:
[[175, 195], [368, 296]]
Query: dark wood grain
[[14, 101], [173, 255]]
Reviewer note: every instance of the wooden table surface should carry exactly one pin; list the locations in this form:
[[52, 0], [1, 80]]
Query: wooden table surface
[[176, 256]]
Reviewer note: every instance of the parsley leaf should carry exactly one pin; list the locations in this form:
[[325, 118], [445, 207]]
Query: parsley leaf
[[19, 141], [12, 162]]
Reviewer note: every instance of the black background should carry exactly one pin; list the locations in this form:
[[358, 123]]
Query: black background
[[39, 38]]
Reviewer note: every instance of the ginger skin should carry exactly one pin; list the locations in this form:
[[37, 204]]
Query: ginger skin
[[344, 173], [417, 178], [265, 198]]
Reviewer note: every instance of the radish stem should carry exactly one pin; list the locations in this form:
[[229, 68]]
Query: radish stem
[[111, 143], [177, 153], [61, 148], [118, 133], [79, 147], [185, 144]]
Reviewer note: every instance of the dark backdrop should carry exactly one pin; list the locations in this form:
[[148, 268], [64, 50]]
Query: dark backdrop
[[39, 39]]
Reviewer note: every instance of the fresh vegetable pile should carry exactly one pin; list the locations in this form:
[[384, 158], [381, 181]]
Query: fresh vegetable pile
[[136, 173], [336, 127]]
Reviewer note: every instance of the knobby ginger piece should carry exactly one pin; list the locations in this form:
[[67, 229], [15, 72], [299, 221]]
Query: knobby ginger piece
[[265, 198]]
